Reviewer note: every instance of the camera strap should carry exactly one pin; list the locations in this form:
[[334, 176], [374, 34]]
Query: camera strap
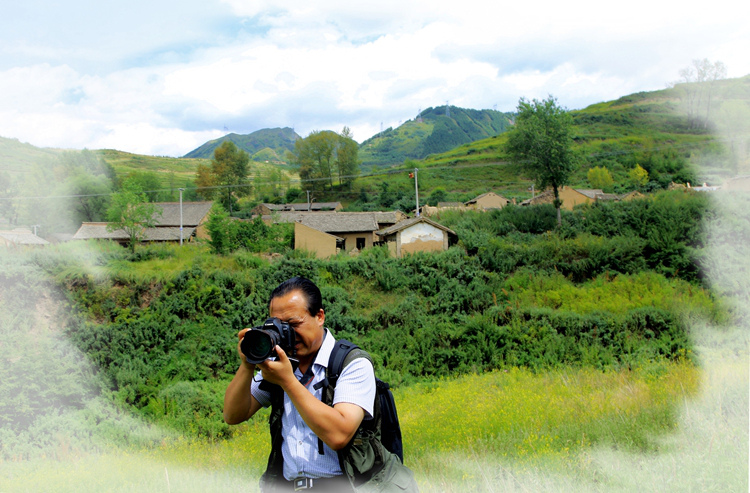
[[305, 380]]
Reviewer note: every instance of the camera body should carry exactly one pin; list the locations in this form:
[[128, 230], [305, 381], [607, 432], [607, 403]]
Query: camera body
[[259, 342]]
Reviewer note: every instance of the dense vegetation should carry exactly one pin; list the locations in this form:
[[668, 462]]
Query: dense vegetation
[[611, 290], [150, 335], [268, 144], [647, 132], [433, 131]]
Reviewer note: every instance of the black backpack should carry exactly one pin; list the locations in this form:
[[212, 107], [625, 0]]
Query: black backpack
[[390, 429]]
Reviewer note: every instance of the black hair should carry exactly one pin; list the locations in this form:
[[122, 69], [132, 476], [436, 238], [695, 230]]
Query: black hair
[[309, 289]]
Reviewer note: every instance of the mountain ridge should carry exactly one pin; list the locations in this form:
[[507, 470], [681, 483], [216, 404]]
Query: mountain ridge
[[266, 144]]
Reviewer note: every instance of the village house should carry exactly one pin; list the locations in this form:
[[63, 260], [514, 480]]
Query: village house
[[20, 237], [351, 230], [417, 234], [167, 228], [486, 201], [266, 209], [326, 233], [570, 197]]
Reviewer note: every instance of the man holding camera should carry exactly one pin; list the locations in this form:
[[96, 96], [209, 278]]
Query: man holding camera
[[311, 441]]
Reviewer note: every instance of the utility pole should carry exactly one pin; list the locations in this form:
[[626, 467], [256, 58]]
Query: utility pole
[[416, 189], [181, 190]]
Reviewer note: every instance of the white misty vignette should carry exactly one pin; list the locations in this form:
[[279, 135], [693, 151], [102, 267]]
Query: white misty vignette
[[707, 451]]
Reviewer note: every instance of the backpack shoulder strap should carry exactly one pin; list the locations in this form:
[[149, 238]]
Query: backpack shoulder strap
[[343, 353]]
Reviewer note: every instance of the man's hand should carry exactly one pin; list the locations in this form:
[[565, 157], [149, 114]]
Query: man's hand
[[239, 404], [240, 336], [280, 371]]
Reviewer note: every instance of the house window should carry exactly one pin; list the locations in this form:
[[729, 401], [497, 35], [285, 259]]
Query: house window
[[360, 243]]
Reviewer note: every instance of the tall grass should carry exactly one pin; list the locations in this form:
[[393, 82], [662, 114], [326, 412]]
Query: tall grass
[[517, 418]]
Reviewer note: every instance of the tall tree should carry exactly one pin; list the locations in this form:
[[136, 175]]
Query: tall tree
[[347, 157], [697, 85], [131, 211], [227, 177], [541, 142], [324, 154]]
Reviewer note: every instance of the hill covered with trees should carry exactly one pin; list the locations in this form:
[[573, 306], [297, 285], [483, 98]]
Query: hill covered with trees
[[267, 144], [433, 131]]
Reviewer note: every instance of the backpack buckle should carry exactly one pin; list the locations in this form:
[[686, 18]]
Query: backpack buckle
[[302, 484]]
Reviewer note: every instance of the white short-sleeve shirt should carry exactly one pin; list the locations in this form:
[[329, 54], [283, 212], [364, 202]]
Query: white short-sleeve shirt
[[356, 385]]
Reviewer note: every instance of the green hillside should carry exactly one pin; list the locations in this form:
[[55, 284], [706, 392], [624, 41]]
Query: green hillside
[[268, 144], [435, 130], [19, 157], [169, 169], [650, 129]]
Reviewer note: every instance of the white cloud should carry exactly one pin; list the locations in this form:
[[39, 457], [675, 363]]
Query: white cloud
[[327, 64]]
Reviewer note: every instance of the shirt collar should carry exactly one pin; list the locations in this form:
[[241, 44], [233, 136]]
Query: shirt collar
[[324, 353]]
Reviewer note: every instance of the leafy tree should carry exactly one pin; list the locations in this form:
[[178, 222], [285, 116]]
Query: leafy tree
[[270, 185], [314, 155], [149, 182], [323, 154], [292, 195], [221, 230], [226, 177], [638, 176], [347, 161], [541, 143], [8, 190], [599, 177], [89, 196], [131, 211], [437, 195]]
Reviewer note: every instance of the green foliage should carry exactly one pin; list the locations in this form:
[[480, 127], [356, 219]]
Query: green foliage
[[638, 176], [669, 224], [600, 178], [226, 177], [541, 143], [266, 142], [612, 289], [130, 211], [220, 232], [322, 155], [229, 235], [433, 131]]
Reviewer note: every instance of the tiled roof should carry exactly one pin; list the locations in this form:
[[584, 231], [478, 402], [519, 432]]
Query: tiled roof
[[303, 206], [341, 222], [192, 213], [590, 193], [488, 194], [22, 237], [91, 231], [410, 222]]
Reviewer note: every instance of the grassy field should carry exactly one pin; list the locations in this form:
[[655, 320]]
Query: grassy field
[[671, 427]]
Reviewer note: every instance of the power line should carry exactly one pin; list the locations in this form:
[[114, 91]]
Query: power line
[[387, 172]]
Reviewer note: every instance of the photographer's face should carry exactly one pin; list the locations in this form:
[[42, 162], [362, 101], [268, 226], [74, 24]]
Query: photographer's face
[[308, 329]]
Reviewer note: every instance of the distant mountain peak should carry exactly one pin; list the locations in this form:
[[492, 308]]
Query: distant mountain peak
[[277, 140]]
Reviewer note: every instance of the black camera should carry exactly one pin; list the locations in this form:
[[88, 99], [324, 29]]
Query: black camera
[[259, 343]]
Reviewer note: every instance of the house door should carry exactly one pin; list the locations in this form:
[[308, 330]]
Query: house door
[[361, 243]]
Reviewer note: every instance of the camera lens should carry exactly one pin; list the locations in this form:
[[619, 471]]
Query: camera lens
[[258, 345]]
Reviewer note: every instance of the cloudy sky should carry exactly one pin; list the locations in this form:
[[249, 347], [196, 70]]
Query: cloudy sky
[[162, 77]]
